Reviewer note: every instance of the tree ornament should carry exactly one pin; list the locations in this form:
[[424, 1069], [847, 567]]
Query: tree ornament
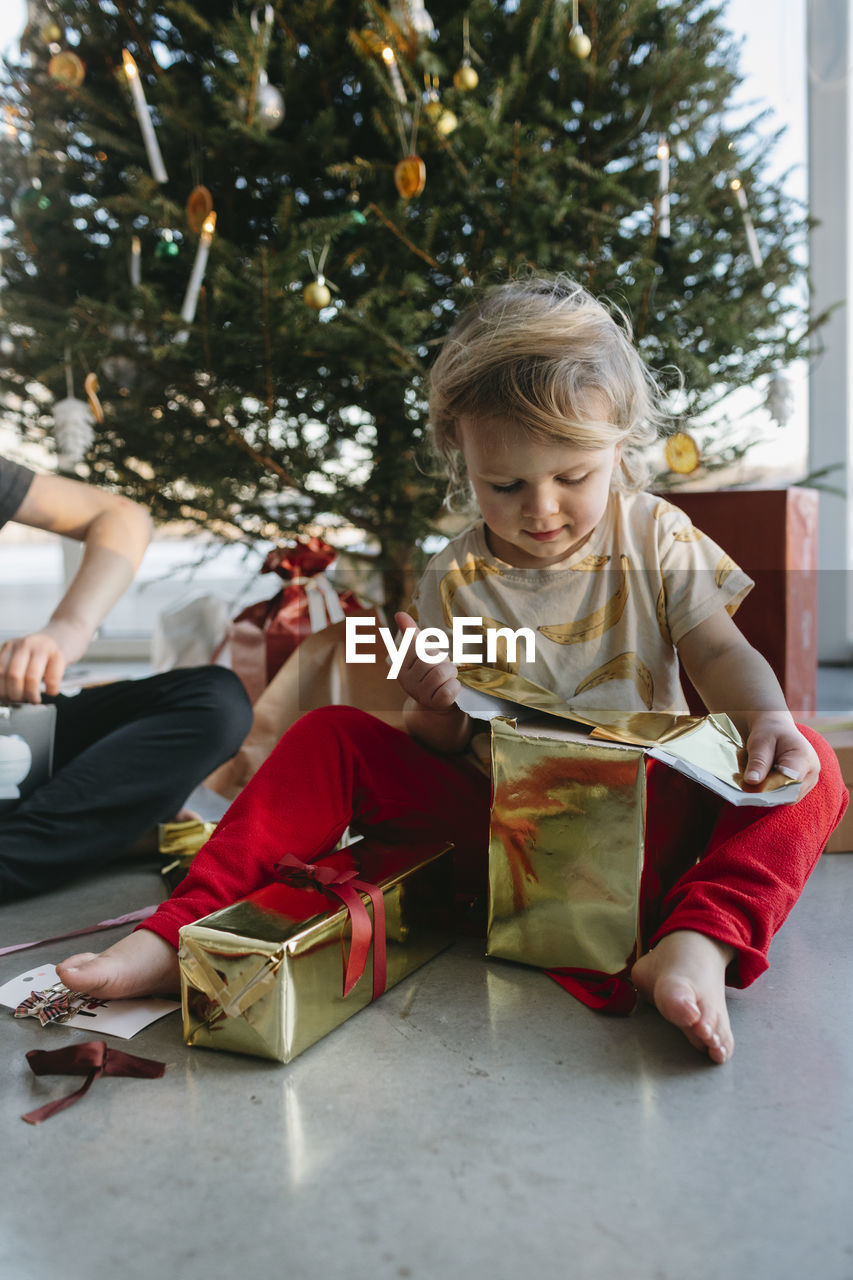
[[199, 205], [682, 453], [190, 302], [29, 199], [67, 69], [748, 226], [390, 59], [465, 77], [51, 32], [316, 295], [779, 401], [269, 104], [167, 246], [444, 121], [264, 106], [410, 176], [413, 13], [74, 422], [664, 229], [579, 43], [143, 115]]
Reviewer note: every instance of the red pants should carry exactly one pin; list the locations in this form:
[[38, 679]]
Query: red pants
[[339, 767]]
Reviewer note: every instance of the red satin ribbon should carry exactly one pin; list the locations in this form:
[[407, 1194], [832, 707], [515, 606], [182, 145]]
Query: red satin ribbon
[[345, 885], [92, 1059]]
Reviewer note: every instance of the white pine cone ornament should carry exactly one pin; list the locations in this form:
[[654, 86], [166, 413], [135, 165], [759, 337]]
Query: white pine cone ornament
[[73, 427], [779, 401]]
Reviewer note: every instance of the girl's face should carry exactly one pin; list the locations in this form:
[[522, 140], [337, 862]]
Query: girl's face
[[540, 502]]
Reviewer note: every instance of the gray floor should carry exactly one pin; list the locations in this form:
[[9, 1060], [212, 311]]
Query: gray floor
[[475, 1122]]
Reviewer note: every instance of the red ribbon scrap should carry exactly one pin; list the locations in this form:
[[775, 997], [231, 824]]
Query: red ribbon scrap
[[344, 884], [92, 1059]]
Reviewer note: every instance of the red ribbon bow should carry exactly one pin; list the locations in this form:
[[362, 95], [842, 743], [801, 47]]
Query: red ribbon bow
[[92, 1059], [343, 882], [307, 557]]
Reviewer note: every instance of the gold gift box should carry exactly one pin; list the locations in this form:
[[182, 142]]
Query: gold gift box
[[264, 976], [567, 831]]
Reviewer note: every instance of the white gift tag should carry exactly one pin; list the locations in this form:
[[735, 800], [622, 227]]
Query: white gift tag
[[121, 1018]]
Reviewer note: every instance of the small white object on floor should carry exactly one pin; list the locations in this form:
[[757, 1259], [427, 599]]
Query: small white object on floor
[[121, 1018]]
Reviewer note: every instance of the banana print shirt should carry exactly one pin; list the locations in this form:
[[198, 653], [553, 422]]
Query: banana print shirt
[[608, 620]]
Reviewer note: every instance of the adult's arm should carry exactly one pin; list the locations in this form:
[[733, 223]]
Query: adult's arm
[[114, 532]]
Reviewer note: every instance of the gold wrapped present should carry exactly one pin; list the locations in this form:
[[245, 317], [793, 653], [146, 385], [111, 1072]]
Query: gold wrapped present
[[178, 843], [568, 815], [266, 976]]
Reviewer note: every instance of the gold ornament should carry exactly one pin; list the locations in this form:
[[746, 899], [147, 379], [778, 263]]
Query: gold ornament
[[199, 205], [51, 32], [579, 43], [67, 69], [445, 121], [316, 294], [465, 78], [682, 453], [410, 176]]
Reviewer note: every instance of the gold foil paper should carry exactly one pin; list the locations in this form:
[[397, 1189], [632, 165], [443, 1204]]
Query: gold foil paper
[[711, 743], [568, 817], [179, 842], [565, 851], [259, 982]]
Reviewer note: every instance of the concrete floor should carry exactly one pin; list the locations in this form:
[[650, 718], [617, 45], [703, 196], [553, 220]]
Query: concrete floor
[[475, 1122]]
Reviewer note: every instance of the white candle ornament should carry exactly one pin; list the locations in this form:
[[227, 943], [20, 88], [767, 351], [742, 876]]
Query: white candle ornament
[[663, 189], [136, 262], [751, 238], [197, 274], [394, 71], [143, 115]]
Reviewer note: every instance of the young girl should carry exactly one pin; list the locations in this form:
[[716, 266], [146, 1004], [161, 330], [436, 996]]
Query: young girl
[[541, 403]]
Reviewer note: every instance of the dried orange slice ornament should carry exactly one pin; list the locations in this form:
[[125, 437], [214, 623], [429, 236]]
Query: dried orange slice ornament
[[410, 176], [199, 205], [67, 69], [682, 453]]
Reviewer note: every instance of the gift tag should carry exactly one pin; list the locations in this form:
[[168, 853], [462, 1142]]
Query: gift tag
[[121, 1018]]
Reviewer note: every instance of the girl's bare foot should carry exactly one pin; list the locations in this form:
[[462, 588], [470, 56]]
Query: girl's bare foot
[[685, 978], [142, 964]]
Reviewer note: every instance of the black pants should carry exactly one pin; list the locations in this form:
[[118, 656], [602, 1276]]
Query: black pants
[[127, 755]]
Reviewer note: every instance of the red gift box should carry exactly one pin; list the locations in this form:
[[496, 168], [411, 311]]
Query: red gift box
[[264, 635]]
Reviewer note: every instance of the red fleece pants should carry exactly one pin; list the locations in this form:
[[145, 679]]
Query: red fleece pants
[[338, 767]]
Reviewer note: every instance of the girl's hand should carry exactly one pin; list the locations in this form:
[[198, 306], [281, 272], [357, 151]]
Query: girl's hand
[[432, 685], [774, 739]]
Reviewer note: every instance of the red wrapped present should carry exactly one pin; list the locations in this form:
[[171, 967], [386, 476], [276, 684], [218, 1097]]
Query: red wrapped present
[[265, 634]]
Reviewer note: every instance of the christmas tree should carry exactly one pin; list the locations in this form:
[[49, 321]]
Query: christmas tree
[[254, 226]]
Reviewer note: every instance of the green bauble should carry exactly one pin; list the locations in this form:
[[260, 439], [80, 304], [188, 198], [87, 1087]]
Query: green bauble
[[28, 201], [167, 247]]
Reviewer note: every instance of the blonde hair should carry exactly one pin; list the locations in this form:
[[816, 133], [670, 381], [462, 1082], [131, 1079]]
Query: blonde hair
[[543, 354]]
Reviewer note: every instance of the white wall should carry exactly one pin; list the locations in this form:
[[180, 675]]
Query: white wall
[[830, 25]]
